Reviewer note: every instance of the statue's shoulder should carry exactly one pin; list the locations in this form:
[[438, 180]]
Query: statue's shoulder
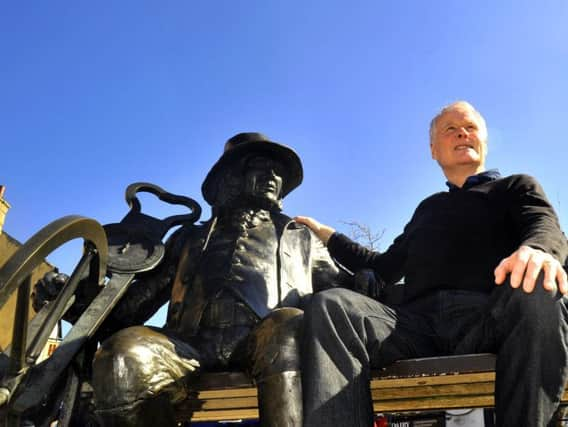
[[295, 234], [287, 223], [188, 234]]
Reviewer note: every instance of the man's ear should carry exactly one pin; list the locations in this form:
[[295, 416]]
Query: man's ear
[[433, 151]]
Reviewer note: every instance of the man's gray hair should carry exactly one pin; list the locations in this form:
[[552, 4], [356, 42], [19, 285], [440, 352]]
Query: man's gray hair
[[457, 105]]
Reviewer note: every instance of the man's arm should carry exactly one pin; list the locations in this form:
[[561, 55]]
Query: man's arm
[[387, 266], [346, 252], [543, 245], [326, 273], [323, 231]]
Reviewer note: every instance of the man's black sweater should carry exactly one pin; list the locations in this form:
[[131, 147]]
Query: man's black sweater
[[456, 239]]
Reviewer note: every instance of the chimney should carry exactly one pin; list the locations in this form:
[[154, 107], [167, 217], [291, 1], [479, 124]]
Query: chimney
[[4, 206]]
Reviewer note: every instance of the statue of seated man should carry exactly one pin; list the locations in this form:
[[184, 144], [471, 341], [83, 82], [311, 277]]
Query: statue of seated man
[[235, 285]]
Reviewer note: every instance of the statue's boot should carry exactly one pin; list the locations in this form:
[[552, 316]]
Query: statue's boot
[[280, 400], [275, 356], [153, 412], [138, 375]]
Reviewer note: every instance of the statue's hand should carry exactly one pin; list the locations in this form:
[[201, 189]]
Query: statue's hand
[[47, 288]]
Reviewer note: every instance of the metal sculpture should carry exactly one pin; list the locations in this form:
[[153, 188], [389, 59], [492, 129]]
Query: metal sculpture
[[27, 343], [134, 245], [235, 283]]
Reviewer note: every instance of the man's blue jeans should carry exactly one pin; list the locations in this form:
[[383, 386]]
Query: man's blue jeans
[[348, 334]]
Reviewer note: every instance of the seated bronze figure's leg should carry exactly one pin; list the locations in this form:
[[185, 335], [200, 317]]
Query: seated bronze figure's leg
[[138, 373], [223, 333], [275, 359]]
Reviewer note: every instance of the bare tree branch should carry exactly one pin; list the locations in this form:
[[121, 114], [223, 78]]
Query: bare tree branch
[[363, 234]]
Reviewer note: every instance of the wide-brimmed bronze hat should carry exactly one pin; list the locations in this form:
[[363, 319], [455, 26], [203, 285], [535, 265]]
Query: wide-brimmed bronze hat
[[246, 144]]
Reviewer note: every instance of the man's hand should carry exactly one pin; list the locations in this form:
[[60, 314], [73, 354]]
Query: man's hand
[[528, 262], [323, 231]]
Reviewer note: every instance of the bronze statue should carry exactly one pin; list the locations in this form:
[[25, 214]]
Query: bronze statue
[[236, 285]]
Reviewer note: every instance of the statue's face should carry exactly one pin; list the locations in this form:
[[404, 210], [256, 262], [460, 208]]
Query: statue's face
[[263, 178]]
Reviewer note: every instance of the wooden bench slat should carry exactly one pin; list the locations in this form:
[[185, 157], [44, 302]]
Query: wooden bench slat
[[429, 391], [232, 415], [434, 403], [378, 383], [233, 402], [409, 385], [222, 394]]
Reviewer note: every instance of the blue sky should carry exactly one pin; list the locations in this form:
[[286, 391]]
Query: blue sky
[[95, 96]]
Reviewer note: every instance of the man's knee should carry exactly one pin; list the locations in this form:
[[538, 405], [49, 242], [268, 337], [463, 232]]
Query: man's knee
[[330, 300], [274, 343], [539, 308]]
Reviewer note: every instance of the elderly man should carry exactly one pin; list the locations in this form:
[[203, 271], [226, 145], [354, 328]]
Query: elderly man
[[235, 285], [487, 230]]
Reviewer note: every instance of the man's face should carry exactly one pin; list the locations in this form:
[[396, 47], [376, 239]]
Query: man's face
[[460, 138], [263, 178]]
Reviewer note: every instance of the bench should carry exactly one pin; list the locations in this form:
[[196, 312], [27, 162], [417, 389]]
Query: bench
[[408, 385]]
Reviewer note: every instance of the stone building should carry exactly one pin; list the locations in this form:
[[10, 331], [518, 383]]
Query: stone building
[[9, 245]]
